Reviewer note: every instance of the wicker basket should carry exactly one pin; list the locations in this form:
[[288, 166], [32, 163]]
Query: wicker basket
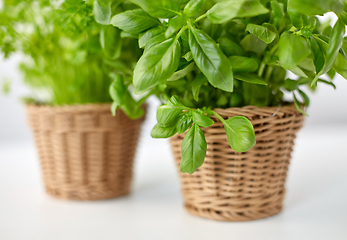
[[85, 152], [233, 186]]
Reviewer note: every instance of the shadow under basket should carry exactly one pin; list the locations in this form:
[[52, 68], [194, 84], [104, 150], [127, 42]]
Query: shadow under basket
[[233, 186], [85, 152]]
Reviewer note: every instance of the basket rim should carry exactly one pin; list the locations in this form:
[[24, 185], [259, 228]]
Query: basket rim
[[74, 108]]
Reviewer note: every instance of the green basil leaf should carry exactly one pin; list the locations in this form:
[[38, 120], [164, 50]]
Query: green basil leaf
[[230, 48], [318, 55], [182, 73], [111, 41], [305, 98], [298, 105], [291, 85], [183, 123], [327, 83], [188, 56], [277, 14], [168, 113], [134, 21], [159, 8], [335, 44], [298, 71], [163, 132], [243, 64], [240, 133], [229, 9], [309, 7], [262, 33], [114, 108], [131, 108], [296, 18], [193, 149], [252, 43], [340, 65], [158, 64], [201, 119], [102, 11], [175, 24], [293, 49], [198, 81], [193, 7], [143, 39], [117, 89], [211, 61], [250, 78], [156, 40]]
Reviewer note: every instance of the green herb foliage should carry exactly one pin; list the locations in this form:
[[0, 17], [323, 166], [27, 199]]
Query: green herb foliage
[[68, 54], [230, 53]]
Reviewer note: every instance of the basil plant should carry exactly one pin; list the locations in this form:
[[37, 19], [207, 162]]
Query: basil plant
[[200, 55], [68, 55]]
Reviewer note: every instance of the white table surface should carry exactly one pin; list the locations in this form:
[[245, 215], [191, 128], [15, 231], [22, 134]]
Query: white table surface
[[315, 204]]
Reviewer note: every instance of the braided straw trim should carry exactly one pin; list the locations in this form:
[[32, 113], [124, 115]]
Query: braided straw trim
[[233, 186], [85, 152]]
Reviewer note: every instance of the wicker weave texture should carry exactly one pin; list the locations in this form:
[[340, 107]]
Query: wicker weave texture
[[233, 186], [85, 152]]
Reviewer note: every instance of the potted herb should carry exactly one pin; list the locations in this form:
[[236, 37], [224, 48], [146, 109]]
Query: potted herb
[[85, 152], [221, 67]]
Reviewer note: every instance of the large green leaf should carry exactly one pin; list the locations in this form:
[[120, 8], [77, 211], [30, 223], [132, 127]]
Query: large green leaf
[[158, 64], [229, 9], [134, 21], [240, 133], [159, 8], [102, 11], [111, 41], [193, 149], [335, 44], [293, 49], [211, 60], [193, 7], [183, 123]]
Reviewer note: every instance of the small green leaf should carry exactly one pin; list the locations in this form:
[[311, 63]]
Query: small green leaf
[[201, 119], [230, 48], [263, 33], [193, 149], [229, 9], [240, 133], [175, 24], [210, 59], [277, 14], [118, 89], [183, 123], [182, 73], [298, 105], [159, 8], [198, 81], [291, 85], [243, 64], [134, 21], [114, 108], [305, 98], [250, 78], [168, 113], [252, 43], [163, 132]]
